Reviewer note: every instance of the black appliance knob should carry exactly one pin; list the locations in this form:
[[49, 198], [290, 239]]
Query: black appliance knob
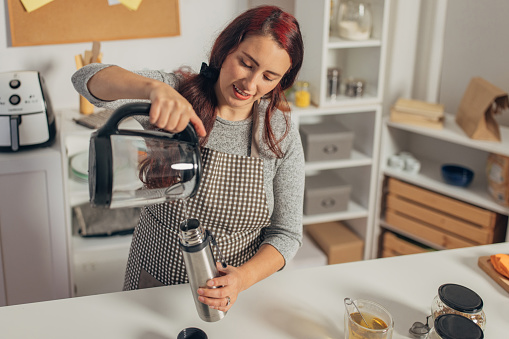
[[14, 83], [14, 99]]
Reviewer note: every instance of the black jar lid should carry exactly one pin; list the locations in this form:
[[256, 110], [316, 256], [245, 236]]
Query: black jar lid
[[455, 326], [460, 298]]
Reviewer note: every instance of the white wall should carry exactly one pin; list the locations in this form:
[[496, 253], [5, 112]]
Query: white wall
[[456, 40], [200, 22], [475, 44], [401, 51]]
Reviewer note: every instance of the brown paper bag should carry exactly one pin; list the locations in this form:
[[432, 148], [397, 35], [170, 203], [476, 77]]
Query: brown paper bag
[[481, 101], [497, 170]]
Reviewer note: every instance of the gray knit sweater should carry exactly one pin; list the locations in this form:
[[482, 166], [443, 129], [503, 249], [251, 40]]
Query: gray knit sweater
[[283, 178]]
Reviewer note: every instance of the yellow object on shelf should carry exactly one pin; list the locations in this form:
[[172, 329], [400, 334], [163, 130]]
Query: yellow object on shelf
[[90, 56], [302, 95], [85, 106]]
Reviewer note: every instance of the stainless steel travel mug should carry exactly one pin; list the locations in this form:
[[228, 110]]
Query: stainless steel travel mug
[[195, 244]]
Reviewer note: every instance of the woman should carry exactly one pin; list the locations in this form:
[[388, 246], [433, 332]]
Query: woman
[[251, 192]]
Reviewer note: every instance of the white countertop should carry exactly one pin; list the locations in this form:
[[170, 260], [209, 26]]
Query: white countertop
[[305, 303]]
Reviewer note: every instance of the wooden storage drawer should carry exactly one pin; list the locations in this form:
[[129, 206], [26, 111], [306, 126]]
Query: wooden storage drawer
[[474, 214], [439, 219], [395, 245], [387, 253], [425, 231]]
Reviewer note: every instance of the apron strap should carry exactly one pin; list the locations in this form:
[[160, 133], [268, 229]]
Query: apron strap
[[255, 132]]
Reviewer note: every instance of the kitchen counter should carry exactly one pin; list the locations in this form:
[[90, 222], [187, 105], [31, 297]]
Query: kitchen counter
[[305, 303]]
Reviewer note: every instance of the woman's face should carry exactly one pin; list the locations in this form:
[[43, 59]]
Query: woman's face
[[251, 71]]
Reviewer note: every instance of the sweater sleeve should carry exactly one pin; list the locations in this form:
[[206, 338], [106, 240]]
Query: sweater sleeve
[[285, 231], [81, 77]]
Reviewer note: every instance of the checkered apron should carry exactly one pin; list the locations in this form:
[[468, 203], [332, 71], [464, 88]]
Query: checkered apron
[[230, 203]]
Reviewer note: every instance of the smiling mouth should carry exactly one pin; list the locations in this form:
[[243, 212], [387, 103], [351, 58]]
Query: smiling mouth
[[240, 94]]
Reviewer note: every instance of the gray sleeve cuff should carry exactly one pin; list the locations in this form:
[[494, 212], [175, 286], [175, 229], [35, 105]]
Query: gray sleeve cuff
[[81, 77]]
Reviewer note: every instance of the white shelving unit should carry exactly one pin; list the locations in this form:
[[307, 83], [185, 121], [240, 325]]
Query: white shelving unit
[[358, 59], [433, 148], [362, 115], [97, 265]]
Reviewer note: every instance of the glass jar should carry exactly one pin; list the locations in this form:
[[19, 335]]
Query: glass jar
[[333, 83], [333, 16], [460, 300], [354, 87], [302, 95], [452, 326], [354, 20]]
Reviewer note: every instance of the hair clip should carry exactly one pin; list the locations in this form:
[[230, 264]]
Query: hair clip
[[208, 72]]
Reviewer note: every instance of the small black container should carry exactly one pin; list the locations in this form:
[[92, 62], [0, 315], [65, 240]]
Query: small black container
[[192, 333]]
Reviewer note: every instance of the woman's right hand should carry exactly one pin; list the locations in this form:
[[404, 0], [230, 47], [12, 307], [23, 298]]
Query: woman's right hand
[[171, 111]]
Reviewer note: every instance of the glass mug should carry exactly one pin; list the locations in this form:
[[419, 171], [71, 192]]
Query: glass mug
[[381, 324]]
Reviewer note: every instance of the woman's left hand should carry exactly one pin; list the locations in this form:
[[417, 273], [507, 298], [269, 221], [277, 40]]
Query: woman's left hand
[[227, 288]]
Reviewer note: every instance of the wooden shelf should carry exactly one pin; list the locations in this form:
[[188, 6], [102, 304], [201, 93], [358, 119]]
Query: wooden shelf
[[389, 227]]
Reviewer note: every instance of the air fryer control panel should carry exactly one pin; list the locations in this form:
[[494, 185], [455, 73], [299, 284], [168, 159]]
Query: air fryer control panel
[[21, 93]]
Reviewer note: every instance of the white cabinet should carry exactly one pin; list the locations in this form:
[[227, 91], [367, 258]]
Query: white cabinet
[[97, 264], [434, 148], [33, 243], [363, 59], [359, 171], [362, 115]]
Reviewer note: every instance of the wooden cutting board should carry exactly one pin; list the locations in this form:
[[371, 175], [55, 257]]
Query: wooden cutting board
[[485, 264]]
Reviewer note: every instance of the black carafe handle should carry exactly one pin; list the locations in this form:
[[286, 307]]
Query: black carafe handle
[[140, 108]]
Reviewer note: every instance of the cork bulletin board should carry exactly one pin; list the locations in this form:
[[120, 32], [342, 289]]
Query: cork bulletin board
[[70, 21]]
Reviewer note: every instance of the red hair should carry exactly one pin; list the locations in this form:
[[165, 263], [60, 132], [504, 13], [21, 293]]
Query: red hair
[[270, 21]]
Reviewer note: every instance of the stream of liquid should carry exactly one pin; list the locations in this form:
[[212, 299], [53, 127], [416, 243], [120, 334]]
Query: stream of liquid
[[184, 210]]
